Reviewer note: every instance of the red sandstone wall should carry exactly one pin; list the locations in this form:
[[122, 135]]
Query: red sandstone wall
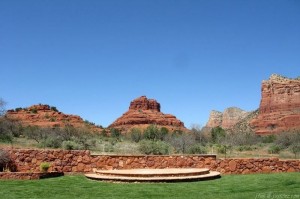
[[27, 175], [83, 161], [255, 165]]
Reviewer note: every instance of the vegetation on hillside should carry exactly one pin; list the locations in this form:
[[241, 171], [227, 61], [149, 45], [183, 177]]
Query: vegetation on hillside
[[152, 140]]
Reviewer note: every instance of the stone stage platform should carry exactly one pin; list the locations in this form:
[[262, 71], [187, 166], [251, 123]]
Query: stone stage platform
[[154, 175]]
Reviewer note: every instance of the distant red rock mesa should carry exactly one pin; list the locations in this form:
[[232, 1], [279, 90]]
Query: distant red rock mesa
[[143, 112], [227, 119], [46, 116], [279, 109]]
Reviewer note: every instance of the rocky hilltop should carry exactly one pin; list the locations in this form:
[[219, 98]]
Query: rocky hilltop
[[279, 108], [230, 117], [215, 119], [46, 116], [143, 112]]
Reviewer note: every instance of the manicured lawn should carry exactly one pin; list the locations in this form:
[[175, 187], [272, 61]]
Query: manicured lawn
[[254, 186]]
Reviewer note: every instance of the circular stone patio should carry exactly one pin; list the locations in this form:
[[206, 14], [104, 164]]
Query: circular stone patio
[[154, 175]]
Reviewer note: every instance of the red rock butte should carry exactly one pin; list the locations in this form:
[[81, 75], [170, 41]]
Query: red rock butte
[[43, 115], [144, 112], [279, 109]]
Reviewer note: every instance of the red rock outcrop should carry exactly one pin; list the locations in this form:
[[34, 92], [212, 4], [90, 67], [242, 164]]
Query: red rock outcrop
[[232, 116], [215, 119], [46, 116], [244, 125], [279, 109], [227, 119], [143, 112]]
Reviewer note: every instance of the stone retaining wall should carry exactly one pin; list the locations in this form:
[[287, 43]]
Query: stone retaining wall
[[83, 161], [28, 175], [255, 165]]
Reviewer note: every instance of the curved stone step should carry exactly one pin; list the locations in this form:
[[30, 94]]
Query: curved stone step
[[209, 176], [171, 172]]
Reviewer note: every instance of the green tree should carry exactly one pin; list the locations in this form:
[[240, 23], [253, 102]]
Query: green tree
[[53, 108], [9, 129], [151, 132], [197, 149], [295, 149], [115, 133], [163, 132], [181, 141], [154, 147], [135, 134], [217, 134], [199, 134]]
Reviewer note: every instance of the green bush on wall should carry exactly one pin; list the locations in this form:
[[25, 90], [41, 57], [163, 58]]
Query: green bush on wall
[[44, 166]]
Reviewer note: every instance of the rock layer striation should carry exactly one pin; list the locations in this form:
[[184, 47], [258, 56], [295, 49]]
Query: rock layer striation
[[143, 112], [279, 109]]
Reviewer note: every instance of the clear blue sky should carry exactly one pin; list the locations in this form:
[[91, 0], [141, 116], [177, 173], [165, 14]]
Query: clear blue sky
[[92, 57]]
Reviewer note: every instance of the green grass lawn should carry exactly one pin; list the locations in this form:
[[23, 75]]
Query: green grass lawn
[[254, 186]]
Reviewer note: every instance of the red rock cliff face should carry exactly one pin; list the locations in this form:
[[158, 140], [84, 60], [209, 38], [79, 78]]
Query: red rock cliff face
[[279, 109], [215, 119], [227, 119], [143, 112], [232, 116], [46, 116]]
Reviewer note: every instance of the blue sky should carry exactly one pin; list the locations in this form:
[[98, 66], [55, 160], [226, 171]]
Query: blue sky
[[91, 58]]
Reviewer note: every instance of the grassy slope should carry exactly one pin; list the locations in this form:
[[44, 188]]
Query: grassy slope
[[230, 186]]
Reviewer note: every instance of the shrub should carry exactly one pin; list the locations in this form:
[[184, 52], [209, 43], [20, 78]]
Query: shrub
[[52, 142], [269, 139], [286, 139], [244, 148], [115, 133], [53, 108], [151, 132], [4, 159], [274, 149], [223, 149], [217, 134], [181, 141], [44, 166], [135, 135], [19, 109], [88, 122], [104, 133], [197, 149], [70, 145], [162, 133], [7, 130], [34, 110], [109, 147], [154, 147], [241, 138], [295, 149]]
